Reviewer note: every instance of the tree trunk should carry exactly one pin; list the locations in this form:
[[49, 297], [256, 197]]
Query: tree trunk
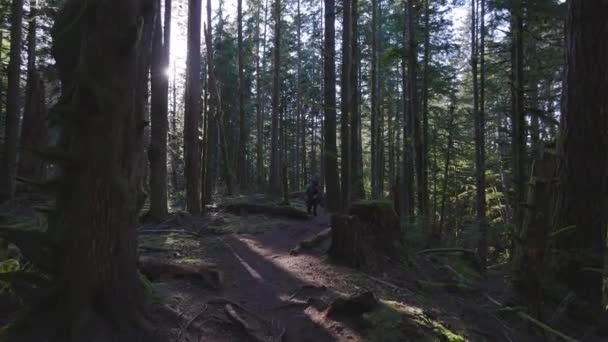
[[357, 186], [367, 236], [518, 116], [424, 150], [407, 210], [193, 109], [374, 102], [421, 186], [275, 158], [345, 162], [159, 83], [262, 106], [479, 115], [330, 151], [242, 157], [212, 111], [11, 137], [446, 169], [33, 131], [583, 162], [99, 288]]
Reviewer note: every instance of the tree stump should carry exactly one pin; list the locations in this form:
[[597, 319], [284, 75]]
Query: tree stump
[[368, 236]]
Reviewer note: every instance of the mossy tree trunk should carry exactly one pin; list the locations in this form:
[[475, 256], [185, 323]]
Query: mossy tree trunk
[[99, 56]]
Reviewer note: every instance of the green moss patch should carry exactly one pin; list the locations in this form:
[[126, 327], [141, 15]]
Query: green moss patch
[[396, 322]]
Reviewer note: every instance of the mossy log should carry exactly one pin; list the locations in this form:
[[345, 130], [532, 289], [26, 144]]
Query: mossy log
[[367, 236], [241, 208], [159, 268]]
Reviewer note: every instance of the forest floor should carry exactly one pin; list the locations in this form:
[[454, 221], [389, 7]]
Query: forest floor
[[267, 294], [227, 277]]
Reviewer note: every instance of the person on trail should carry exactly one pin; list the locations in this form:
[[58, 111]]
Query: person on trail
[[313, 196]]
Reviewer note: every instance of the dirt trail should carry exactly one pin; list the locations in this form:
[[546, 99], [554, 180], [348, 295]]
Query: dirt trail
[[291, 293], [261, 275]]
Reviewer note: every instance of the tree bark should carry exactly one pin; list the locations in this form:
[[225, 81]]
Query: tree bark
[[11, 137], [330, 151], [357, 189], [159, 84], [95, 222], [518, 116], [345, 141], [583, 161], [275, 158], [192, 113], [374, 102], [479, 115], [34, 129], [407, 210], [242, 157], [424, 150]]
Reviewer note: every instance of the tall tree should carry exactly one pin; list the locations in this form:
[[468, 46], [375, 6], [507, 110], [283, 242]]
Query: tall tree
[[159, 83], [9, 161], [374, 102], [275, 157], [424, 140], [583, 162], [94, 224], [477, 51], [33, 131], [345, 98], [212, 110], [193, 109], [330, 151], [357, 186], [518, 119], [409, 105], [242, 154]]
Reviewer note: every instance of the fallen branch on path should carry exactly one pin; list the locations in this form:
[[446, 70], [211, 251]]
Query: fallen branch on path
[[312, 242], [307, 287], [532, 320], [169, 231], [386, 283]]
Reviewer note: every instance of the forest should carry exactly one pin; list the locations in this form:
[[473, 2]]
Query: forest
[[303, 170]]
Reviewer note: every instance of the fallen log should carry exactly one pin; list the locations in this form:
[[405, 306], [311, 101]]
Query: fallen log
[[311, 242], [272, 210], [157, 268]]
